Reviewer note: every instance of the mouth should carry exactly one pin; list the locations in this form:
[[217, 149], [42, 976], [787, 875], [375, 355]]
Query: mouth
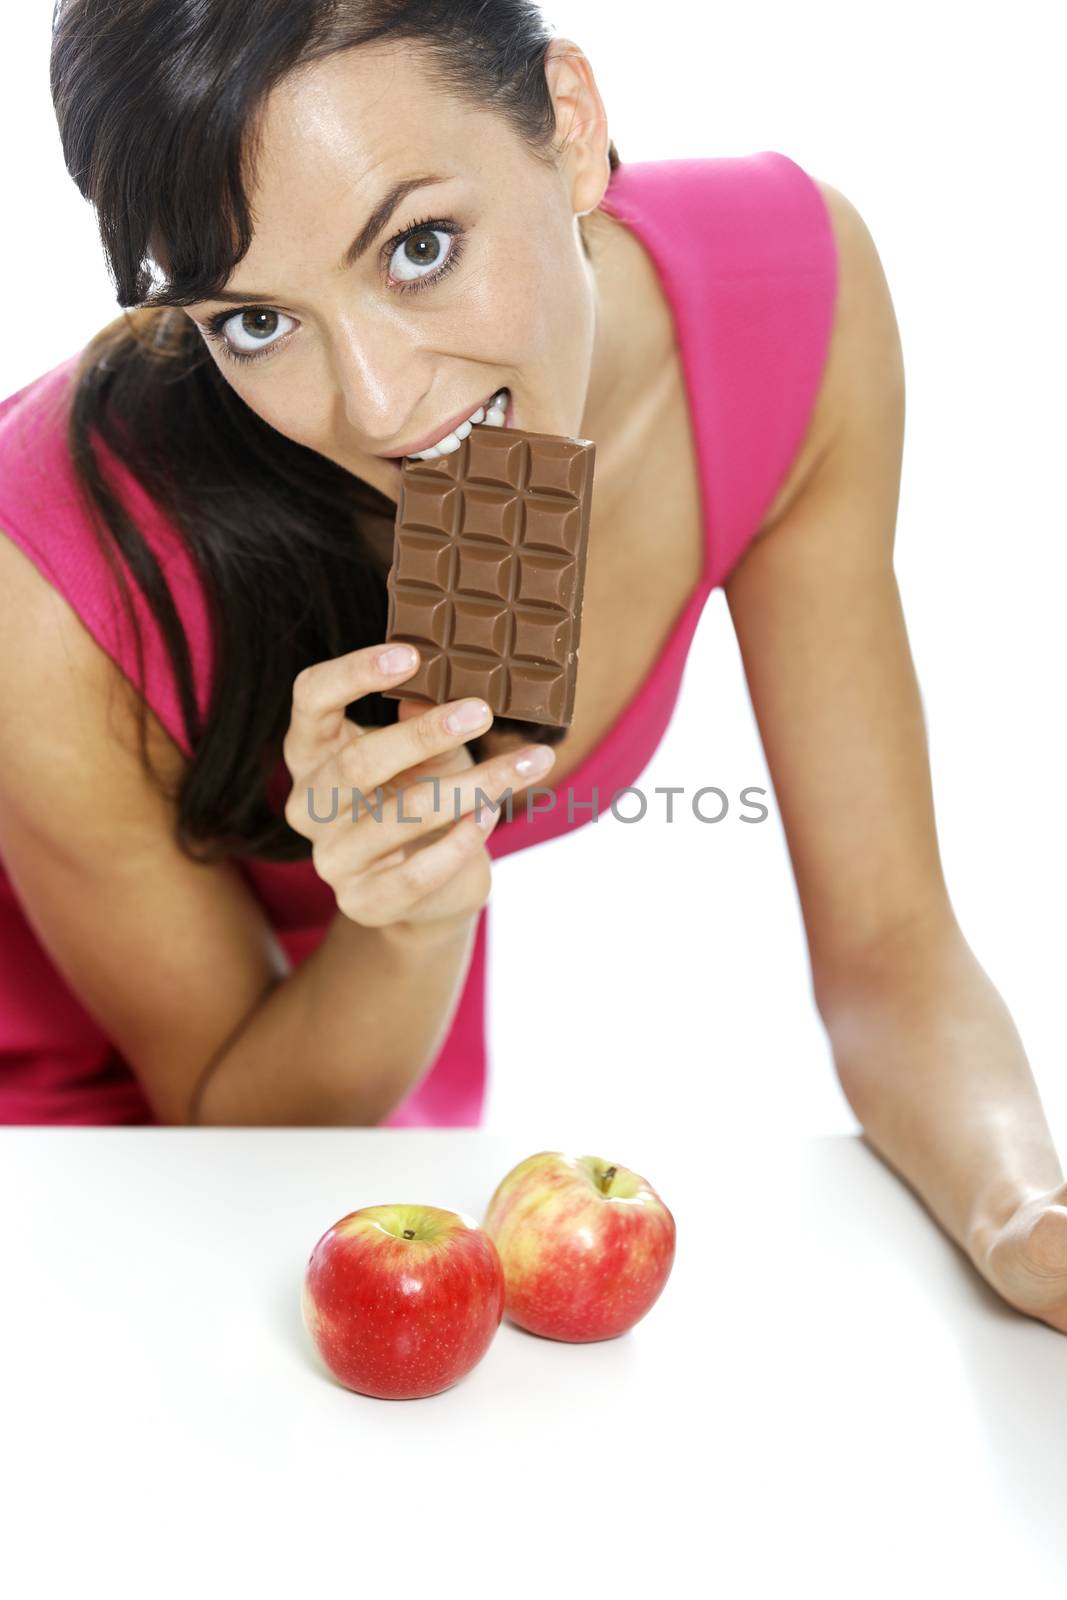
[[496, 412]]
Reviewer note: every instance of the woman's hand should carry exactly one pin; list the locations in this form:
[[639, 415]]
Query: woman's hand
[[1025, 1258], [391, 871]]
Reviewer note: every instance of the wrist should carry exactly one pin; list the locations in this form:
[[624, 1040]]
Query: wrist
[[933, 1066], [428, 932], [994, 1208]]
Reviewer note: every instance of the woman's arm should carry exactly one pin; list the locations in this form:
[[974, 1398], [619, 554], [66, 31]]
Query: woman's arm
[[924, 1047], [339, 1041], [933, 1066], [175, 960]]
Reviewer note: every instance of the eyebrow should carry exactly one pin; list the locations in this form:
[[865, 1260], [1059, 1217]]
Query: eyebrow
[[360, 244]]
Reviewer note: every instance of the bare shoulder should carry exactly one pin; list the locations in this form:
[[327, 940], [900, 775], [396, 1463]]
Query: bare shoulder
[[66, 698], [168, 954], [864, 371]]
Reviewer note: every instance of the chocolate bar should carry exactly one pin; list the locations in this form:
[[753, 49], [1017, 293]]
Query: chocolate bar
[[488, 572]]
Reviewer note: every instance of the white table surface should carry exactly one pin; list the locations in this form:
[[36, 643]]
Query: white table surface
[[826, 1393]]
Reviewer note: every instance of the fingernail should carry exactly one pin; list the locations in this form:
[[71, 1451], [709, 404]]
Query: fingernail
[[533, 762], [471, 714], [398, 659]]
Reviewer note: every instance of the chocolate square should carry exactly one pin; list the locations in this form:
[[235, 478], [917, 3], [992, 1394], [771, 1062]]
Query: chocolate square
[[488, 572]]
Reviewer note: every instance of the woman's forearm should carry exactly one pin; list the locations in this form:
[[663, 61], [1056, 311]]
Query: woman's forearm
[[347, 1034], [931, 1063]]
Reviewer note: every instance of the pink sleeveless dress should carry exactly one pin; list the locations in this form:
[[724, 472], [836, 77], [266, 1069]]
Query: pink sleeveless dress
[[744, 249]]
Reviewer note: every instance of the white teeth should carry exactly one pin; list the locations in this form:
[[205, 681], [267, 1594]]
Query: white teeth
[[498, 409], [494, 416]]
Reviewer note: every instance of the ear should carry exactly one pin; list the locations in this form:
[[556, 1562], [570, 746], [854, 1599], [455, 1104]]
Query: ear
[[581, 124]]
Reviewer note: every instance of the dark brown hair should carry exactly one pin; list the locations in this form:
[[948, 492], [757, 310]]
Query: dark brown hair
[[157, 102]]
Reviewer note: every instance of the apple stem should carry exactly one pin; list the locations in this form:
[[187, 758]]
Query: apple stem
[[605, 1182], [409, 1233]]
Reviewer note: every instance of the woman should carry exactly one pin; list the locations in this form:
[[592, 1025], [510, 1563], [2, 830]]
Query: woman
[[239, 446]]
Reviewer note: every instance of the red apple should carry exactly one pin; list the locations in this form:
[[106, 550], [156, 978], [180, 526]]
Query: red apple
[[587, 1246], [402, 1301]]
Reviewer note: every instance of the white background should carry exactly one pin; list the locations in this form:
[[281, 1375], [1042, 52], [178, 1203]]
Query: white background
[[688, 957], [856, 1416]]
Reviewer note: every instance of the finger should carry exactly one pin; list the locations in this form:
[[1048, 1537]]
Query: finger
[[427, 804], [488, 790], [427, 840], [390, 892], [320, 694], [376, 757], [363, 831]]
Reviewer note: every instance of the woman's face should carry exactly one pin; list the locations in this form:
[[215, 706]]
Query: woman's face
[[472, 283]]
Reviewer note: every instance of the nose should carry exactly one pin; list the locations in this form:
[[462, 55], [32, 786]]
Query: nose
[[381, 386]]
